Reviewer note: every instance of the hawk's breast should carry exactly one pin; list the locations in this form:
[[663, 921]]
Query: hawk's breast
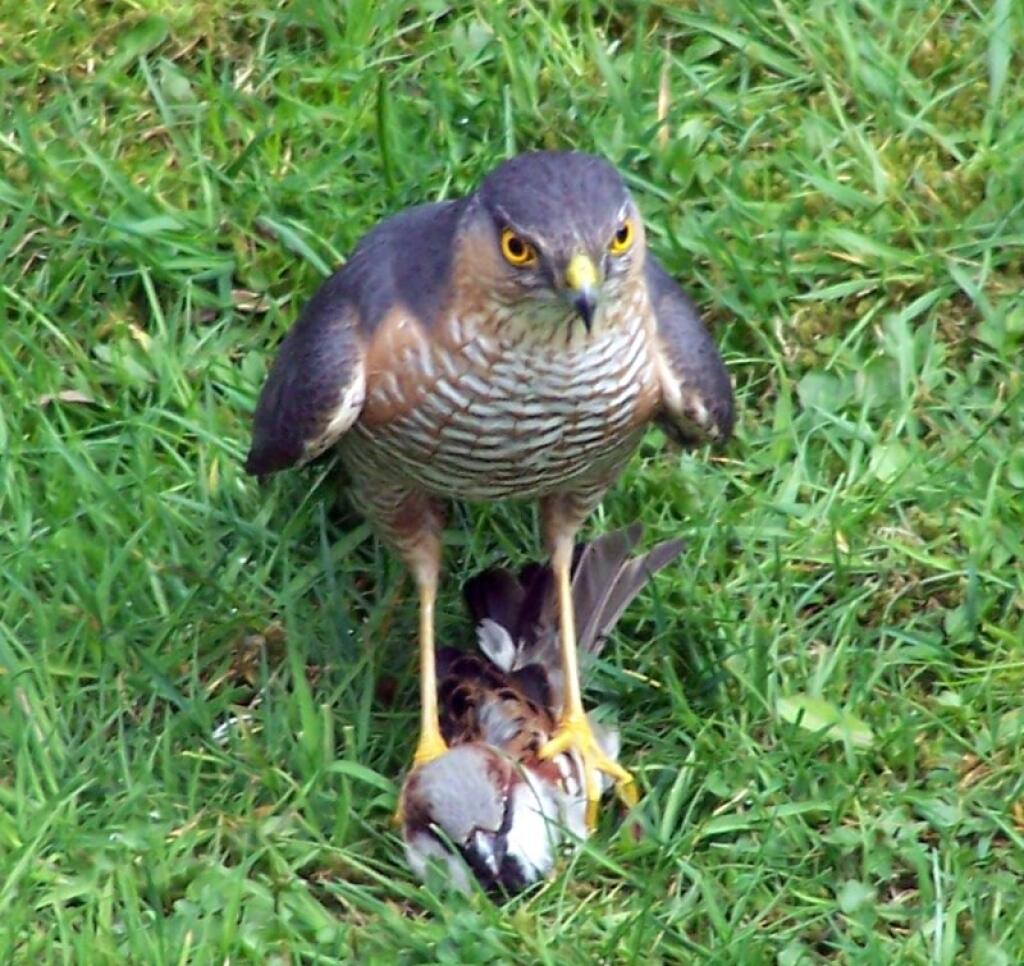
[[502, 415]]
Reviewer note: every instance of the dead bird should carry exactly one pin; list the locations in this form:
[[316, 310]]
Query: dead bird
[[491, 807]]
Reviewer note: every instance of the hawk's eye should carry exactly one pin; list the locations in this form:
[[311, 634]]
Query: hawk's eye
[[622, 239], [516, 251]]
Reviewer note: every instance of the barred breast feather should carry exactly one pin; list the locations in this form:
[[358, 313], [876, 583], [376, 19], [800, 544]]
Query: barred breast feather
[[501, 416]]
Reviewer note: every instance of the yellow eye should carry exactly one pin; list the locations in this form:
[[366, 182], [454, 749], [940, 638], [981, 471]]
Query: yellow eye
[[622, 239], [516, 251]]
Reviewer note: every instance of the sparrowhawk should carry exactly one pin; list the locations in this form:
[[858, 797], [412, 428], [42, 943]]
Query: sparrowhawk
[[513, 343]]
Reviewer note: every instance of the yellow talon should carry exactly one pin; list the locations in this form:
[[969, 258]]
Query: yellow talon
[[431, 745], [575, 732]]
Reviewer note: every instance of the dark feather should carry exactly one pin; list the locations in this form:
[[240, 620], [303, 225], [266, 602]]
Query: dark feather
[[632, 575], [534, 683], [314, 366], [495, 594], [444, 660], [605, 581], [694, 361], [594, 578], [538, 583]]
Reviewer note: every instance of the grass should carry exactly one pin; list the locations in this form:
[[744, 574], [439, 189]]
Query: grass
[[822, 702]]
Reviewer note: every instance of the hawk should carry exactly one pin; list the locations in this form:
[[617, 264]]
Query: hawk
[[515, 343]]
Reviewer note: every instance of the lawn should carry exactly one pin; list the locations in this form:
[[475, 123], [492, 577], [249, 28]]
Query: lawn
[[821, 701]]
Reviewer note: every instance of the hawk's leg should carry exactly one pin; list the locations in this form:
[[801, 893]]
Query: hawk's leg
[[573, 730], [431, 745], [412, 523]]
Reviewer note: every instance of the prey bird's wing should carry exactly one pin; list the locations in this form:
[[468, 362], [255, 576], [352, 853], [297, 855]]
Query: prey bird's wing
[[595, 572], [605, 580], [352, 333], [696, 393]]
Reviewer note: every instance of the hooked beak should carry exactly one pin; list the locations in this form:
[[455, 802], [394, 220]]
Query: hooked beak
[[581, 280]]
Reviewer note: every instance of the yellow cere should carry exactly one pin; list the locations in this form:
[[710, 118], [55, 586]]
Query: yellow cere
[[580, 273]]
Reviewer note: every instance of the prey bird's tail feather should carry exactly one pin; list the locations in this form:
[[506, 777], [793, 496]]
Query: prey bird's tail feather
[[622, 577], [517, 616]]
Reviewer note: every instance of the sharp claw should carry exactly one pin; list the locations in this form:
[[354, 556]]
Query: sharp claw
[[626, 790], [555, 746], [576, 733]]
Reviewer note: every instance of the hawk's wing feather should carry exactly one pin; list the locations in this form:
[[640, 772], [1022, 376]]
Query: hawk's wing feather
[[695, 388], [315, 389], [317, 384]]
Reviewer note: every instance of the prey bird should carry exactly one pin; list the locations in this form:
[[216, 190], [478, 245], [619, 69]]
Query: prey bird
[[513, 343], [491, 806]]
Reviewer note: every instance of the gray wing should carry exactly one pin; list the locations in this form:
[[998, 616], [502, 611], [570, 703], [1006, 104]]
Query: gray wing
[[696, 393], [317, 385]]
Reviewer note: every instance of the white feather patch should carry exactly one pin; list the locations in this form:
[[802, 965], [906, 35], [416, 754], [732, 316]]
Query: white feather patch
[[350, 407], [671, 390], [345, 414], [496, 644], [535, 832]]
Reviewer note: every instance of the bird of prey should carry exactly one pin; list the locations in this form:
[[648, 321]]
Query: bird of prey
[[513, 343], [491, 805]]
